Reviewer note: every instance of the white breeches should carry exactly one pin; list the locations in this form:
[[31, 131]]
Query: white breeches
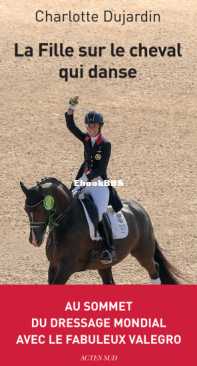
[[100, 195]]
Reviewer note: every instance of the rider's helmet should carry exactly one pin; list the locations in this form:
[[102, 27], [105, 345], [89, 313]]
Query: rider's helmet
[[94, 117]]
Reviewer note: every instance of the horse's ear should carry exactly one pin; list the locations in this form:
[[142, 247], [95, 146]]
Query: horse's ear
[[24, 189]]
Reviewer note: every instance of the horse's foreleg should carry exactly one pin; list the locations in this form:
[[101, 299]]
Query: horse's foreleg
[[51, 274], [65, 270], [106, 275]]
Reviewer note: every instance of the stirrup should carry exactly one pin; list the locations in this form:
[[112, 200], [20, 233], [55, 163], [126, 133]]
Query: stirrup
[[108, 256]]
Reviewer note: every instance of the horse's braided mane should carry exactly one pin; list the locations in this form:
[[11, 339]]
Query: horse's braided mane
[[55, 182]]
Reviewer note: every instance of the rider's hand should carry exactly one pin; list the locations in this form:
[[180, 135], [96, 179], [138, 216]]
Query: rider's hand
[[72, 103], [83, 179]]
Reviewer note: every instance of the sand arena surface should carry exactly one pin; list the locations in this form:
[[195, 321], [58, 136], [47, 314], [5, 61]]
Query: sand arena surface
[[150, 121]]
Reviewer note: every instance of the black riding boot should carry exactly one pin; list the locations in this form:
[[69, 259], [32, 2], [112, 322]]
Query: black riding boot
[[109, 253]]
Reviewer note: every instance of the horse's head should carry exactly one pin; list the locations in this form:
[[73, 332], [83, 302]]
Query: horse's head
[[36, 212], [46, 203]]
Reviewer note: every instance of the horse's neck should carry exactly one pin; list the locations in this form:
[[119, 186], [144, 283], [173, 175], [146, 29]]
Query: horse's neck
[[61, 196], [63, 199]]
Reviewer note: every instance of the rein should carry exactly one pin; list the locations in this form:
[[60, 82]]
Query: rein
[[54, 223], [61, 216]]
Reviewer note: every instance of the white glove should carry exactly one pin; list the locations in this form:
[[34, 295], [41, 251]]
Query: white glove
[[72, 103], [81, 196], [83, 180], [71, 108]]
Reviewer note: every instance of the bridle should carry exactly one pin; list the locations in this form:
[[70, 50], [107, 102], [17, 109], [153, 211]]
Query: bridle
[[49, 218], [36, 224]]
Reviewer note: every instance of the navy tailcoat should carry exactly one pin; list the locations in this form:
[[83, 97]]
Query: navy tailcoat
[[96, 159]]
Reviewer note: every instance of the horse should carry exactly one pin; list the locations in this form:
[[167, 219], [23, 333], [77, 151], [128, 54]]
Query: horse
[[68, 244]]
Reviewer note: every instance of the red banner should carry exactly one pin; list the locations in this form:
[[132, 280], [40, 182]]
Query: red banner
[[82, 324]]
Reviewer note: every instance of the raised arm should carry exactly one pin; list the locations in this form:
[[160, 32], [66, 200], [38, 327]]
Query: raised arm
[[70, 120], [73, 128]]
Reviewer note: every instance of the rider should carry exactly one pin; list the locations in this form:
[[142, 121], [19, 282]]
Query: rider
[[97, 152]]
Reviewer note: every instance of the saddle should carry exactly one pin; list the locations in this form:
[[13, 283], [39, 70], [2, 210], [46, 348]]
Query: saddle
[[91, 209], [117, 220], [92, 212], [118, 223]]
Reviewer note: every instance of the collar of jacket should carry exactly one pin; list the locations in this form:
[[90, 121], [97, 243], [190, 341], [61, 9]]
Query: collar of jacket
[[98, 141]]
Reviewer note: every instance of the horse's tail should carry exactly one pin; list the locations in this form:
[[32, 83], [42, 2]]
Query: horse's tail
[[169, 274]]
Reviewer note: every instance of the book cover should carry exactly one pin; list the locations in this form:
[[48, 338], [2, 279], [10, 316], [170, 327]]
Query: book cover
[[135, 62]]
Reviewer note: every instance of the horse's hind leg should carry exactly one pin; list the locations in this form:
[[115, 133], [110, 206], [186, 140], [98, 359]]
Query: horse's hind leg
[[153, 270], [144, 253], [106, 275]]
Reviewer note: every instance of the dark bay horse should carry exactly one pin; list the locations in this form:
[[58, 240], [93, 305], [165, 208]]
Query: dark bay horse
[[68, 244]]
